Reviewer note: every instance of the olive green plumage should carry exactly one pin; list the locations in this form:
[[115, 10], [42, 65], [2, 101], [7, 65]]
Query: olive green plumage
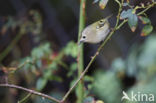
[[96, 32]]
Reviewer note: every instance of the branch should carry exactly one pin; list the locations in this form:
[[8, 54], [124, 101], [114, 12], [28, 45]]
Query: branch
[[140, 13], [30, 91], [10, 46]]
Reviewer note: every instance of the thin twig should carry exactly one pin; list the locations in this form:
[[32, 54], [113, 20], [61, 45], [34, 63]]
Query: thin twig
[[147, 8], [31, 91], [10, 46]]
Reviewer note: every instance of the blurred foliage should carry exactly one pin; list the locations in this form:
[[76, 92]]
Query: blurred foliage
[[54, 71], [22, 26], [107, 86], [55, 94], [139, 64], [44, 63], [90, 99], [27, 24]]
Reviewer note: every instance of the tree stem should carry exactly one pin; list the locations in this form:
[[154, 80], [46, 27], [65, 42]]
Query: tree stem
[[79, 89]]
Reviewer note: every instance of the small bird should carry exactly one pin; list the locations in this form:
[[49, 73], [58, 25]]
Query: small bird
[[96, 32]]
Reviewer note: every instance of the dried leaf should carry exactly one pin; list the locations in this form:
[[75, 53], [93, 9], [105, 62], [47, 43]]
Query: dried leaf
[[146, 30], [144, 20], [103, 3]]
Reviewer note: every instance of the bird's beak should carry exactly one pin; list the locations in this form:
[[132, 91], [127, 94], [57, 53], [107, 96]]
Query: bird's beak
[[81, 41]]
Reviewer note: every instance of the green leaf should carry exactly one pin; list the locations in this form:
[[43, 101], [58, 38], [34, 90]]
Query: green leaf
[[38, 63], [74, 51], [89, 100], [56, 78], [41, 82], [144, 20], [88, 78], [47, 73], [37, 53], [107, 82], [46, 48], [146, 30], [131, 69], [52, 66], [147, 57], [73, 66], [95, 1], [71, 49], [70, 73], [118, 65], [27, 63], [125, 4], [126, 14], [41, 51], [133, 21]]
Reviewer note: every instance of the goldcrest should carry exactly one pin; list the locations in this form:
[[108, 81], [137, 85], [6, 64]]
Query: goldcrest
[[96, 32]]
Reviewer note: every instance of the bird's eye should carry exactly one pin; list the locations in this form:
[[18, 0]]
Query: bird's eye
[[100, 24], [83, 37], [101, 21]]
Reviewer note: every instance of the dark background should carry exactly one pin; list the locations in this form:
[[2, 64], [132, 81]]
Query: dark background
[[60, 25]]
